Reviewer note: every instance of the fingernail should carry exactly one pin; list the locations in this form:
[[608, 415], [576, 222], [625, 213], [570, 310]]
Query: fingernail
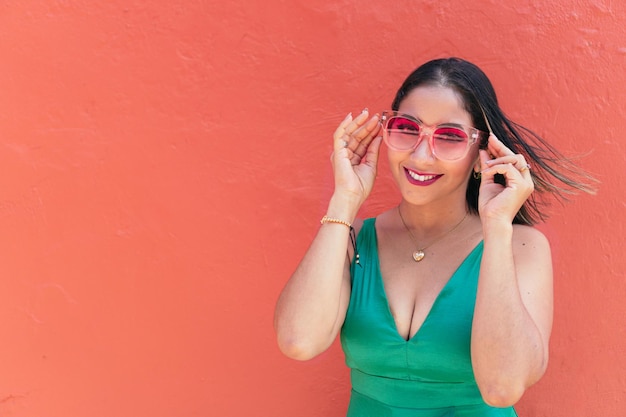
[[365, 110]]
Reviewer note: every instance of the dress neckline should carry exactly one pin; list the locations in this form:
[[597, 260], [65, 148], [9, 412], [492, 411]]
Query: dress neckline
[[448, 283]]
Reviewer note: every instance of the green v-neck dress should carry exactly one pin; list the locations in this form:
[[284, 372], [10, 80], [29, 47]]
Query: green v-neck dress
[[429, 375]]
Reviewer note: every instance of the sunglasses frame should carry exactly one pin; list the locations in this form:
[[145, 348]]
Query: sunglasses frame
[[475, 133]]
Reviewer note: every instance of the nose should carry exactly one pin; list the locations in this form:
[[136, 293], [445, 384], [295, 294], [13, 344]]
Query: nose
[[423, 150]]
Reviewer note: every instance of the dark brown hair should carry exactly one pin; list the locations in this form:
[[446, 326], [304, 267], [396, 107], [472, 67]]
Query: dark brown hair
[[553, 174]]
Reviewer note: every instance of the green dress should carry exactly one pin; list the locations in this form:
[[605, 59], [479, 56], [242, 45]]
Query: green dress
[[429, 375]]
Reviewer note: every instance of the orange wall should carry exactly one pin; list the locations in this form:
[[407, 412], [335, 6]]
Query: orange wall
[[165, 164]]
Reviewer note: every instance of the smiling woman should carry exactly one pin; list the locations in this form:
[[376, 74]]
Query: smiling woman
[[444, 303]]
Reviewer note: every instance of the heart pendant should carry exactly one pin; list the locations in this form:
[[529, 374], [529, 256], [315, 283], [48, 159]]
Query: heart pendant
[[418, 255]]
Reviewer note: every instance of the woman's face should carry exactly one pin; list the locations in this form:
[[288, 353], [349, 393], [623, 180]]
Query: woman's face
[[422, 177]]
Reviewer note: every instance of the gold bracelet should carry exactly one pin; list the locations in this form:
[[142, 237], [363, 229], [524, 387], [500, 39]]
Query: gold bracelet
[[327, 219]]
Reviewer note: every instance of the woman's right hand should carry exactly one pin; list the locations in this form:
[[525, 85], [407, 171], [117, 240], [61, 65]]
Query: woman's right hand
[[355, 155]]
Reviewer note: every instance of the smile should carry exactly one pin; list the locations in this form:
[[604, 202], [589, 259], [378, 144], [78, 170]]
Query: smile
[[421, 179]]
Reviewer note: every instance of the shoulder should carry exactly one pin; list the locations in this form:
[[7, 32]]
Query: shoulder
[[381, 220], [530, 246], [357, 224], [527, 237]]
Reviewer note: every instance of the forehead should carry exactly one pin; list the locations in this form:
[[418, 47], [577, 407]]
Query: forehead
[[435, 104]]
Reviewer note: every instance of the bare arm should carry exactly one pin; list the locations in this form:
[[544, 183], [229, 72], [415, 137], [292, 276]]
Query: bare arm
[[513, 313], [312, 306]]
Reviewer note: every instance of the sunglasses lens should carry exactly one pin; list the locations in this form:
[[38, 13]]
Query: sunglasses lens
[[401, 133], [450, 142]]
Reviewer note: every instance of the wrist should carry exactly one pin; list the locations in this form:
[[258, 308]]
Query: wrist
[[344, 207]]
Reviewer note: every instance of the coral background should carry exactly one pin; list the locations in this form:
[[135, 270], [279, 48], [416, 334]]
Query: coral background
[[164, 166]]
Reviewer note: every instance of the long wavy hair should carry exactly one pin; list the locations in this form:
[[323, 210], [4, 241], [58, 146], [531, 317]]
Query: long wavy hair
[[553, 174]]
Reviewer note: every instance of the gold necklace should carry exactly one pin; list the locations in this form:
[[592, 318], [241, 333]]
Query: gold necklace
[[419, 254]]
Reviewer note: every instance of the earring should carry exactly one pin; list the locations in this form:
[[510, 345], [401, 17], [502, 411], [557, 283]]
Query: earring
[[476, 175]]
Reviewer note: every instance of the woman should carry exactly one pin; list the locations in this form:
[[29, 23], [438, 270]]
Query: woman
[[444, 302]]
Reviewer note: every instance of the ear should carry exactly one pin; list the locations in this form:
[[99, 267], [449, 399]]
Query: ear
[[477, 169]]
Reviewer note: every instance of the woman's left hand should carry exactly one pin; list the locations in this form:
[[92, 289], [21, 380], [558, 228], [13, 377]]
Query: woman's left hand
[[497, 201]]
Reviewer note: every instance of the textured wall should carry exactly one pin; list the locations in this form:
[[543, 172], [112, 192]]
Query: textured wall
[[165, 164]]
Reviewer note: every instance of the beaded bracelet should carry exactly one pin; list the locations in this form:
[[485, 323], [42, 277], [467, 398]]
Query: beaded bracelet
[[327, 219]]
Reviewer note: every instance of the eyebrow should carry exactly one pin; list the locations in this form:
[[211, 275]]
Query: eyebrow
[[438, 124]]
